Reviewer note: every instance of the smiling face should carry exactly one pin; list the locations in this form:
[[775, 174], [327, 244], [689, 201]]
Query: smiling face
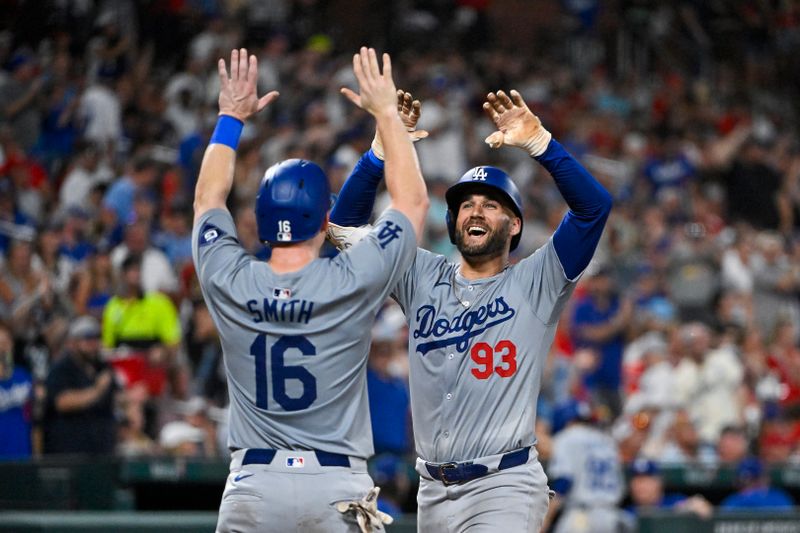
[[484, 226]]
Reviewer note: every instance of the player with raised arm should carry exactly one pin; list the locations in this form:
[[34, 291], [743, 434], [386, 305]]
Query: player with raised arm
[[480, 330], [295, 343]]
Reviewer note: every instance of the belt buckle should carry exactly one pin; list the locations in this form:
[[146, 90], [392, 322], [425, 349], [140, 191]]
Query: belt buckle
[[448, 466]]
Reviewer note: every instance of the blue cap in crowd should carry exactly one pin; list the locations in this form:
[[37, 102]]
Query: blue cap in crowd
[[645, 467]]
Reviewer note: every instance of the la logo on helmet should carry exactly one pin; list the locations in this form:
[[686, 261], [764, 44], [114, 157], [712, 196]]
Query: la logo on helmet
[[479, 174]]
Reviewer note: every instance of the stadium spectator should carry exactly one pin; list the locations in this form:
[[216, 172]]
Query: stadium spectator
[[145, 322], [732, 446], [755, 492], [646, 488], [81, 390], [16, 402], [599, 322], [157, 274], [387, 391]]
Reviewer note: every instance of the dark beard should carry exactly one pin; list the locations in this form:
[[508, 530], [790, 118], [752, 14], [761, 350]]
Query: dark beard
[[497, 243]]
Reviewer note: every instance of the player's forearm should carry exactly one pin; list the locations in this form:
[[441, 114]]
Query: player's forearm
[[216, 172], [576, 238], [356, 200], [403, 176]]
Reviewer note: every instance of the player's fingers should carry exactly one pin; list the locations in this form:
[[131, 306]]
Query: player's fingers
[[352, 96], [420, 134], [243, 63], [387, 66], [267, 99], [491, 112], [492, 100], [363, 56], [517, 98], [400, 98], [234, 64], [504, 100], [358, 69], [252, 70], [223, 73], [372, 63], [416, 109], [495, 140]]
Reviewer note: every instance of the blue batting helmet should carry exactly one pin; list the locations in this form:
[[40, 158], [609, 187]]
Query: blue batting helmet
[[292, 201], [474, 180]]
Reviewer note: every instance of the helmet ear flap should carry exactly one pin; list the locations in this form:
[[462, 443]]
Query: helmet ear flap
[[450, 218]]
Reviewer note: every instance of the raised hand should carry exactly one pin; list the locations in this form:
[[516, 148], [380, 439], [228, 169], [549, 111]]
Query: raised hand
[[516, 124], [237, 93], [377, 93], [409, 111]]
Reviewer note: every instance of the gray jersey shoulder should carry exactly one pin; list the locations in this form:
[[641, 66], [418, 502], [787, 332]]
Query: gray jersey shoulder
[[295, 342]]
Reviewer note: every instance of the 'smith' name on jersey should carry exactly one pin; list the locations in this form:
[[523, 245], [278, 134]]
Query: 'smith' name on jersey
[[461, 328], [271, 310]]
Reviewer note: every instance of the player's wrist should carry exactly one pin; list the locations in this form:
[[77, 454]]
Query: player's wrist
[[227, 131], [537, 144], [376, 149]]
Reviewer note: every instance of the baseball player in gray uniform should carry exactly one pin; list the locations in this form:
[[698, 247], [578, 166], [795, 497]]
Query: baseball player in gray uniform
[[293, 329], [586, 473], [480, 330]]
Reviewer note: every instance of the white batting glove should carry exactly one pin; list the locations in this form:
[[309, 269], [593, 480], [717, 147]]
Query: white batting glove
[[516, 124], [366, 511], [409, 111], [344, 237]]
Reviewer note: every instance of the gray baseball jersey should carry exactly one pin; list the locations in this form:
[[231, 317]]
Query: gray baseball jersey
[[295, 345], [476, 350], [590, 459]]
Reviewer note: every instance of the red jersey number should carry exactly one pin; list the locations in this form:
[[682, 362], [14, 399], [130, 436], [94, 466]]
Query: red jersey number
[[484, 356]]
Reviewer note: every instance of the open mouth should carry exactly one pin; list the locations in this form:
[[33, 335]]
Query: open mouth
[[476, 231]]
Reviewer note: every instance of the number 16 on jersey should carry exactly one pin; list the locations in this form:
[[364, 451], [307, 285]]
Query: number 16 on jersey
[[280, 372]]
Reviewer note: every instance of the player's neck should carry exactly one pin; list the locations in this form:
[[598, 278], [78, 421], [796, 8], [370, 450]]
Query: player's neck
[[483, 267], [293, 257]]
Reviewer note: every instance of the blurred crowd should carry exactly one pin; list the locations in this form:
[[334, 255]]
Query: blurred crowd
[[682, 335]]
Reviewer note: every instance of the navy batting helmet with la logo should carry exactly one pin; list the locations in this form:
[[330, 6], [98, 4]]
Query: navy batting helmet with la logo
[[473, 180], [292, 202]]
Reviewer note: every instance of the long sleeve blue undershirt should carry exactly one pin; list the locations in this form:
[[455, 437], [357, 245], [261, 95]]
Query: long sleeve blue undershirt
[[354, 204], [575, 239]]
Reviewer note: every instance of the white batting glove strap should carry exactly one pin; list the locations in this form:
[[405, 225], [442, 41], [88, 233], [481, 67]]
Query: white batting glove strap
[[377, 146], [344, 237], [537, 145], [366, 511]]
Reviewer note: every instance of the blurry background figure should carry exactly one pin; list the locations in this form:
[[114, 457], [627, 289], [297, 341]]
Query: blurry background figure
[[387, 384], [600, 321], [755, 491], [586, 474], [81, 391], [646, 489], [16, 402]]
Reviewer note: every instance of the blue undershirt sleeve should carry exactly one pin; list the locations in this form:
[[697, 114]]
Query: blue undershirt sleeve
[[354, 204], [576, 238]]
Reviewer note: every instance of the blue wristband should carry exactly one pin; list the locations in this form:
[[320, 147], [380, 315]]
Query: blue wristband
[[374, 159], [227, 131]]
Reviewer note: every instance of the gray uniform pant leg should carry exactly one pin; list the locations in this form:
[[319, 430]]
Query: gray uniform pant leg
[[513, 500], [276, 502]]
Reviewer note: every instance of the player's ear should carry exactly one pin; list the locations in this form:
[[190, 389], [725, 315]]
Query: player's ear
[[325, 223], [516, 226]]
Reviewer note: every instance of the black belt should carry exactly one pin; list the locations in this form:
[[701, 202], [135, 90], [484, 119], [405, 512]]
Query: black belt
[[456, 473], [264, 456]]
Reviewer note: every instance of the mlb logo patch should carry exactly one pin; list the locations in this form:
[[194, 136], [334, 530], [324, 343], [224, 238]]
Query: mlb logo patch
[[209, 234], [295, 462], [282, 294]]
